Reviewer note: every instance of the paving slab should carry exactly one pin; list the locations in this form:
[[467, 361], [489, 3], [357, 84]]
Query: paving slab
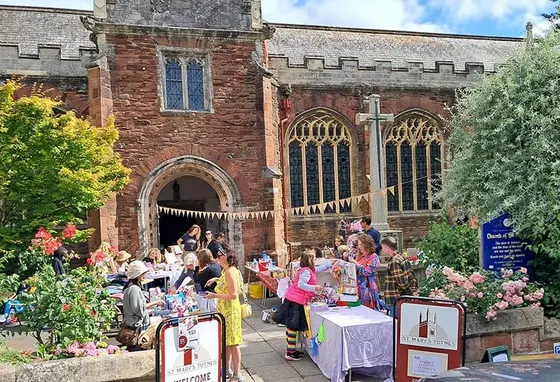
[[262, 360], [273, 373]]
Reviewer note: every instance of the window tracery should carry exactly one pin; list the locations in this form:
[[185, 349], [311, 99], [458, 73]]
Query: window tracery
[[319, 157], [413, 150]]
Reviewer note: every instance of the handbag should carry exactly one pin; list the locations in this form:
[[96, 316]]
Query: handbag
[[128, 336], [246, 309]]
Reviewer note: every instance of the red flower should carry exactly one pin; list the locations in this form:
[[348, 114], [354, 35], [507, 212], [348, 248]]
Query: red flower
[[90, 262], [99, 256], [70, 231], [65, 307], [91, 313]]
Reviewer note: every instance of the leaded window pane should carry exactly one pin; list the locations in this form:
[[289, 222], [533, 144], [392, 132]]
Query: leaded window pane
[[344, 178], [312, 172], [195, 85], [407, 179], [392, 176], [329, 191], [174, 85], [421, 177], [435, 170], [296, 175]]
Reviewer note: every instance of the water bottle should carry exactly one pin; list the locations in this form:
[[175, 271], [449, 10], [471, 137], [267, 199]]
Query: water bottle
[[255, 264]]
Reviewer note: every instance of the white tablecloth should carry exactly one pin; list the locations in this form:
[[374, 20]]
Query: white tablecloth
[[358, 338]]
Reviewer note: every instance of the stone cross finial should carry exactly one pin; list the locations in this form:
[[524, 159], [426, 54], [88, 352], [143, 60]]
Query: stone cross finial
[[530, 38], [373, 119]]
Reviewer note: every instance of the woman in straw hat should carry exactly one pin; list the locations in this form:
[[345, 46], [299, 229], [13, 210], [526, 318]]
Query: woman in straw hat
[[121, 261], [135, 307]]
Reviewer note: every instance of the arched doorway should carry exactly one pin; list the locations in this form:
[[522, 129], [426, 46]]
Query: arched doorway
[[215, 182], [187, 193]]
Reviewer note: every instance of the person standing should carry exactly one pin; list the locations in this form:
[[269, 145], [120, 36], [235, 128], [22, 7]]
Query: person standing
[[400, 280], [292, 313], [227, 292], [217, 244], [365, 222], [57, 260], [367, 262], [190, 239]]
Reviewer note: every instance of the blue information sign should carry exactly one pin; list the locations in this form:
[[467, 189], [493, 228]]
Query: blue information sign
[[500, 248]]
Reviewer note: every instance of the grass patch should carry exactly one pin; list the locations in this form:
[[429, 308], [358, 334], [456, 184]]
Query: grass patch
[[12, 357]]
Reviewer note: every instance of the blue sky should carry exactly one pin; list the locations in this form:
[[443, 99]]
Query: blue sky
[[482, 17]]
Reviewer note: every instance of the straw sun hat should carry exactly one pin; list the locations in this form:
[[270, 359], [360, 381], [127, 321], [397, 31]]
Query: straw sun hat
[[123, 256]]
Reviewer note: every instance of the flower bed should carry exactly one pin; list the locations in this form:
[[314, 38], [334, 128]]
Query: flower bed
[[483, 292]]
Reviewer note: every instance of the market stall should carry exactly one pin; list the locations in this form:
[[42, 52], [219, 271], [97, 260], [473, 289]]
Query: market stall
[[345, 337]]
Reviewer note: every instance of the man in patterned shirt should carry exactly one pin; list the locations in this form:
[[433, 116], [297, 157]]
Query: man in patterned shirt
[[400, 280]]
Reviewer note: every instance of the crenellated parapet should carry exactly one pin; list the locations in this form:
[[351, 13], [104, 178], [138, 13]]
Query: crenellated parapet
[[48, 62], [383, 73], [328, 56]]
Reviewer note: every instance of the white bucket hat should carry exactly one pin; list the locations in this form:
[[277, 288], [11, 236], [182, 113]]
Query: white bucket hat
[[136, 269]]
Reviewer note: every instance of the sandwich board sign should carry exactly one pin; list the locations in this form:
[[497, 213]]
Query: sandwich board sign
[[429, 337], [191, 349]]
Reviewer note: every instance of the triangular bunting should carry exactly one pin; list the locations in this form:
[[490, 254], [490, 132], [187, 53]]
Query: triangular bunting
[[392, 190]]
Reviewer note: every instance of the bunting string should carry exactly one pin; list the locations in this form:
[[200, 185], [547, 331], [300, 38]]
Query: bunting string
[[271, 214]]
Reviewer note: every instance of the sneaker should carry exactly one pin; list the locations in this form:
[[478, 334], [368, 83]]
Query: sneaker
[[293, 356], [229, 374]]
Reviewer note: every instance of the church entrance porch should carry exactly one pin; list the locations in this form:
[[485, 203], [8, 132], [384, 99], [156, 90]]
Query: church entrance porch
[[190, 183], [187, 193]]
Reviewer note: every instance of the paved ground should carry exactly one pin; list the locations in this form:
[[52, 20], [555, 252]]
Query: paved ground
[[262, 352]]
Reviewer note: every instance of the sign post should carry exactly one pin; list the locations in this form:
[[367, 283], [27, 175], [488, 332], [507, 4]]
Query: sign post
[[500, 248], [191, 349], [429, 337]]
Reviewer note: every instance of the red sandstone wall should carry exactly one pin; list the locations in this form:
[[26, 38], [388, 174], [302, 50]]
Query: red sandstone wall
[[231, 137]]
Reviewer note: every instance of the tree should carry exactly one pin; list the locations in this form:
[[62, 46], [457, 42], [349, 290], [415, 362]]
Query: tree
[[554, 17], [53, 168], [505, 147]]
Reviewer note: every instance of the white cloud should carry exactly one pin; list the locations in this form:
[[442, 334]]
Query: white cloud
[[71, 4], [381, 14]]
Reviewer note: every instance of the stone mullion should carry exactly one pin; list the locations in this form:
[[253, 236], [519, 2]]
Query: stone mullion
[[184, 63], [414, 178], [320, 168], [336, 184], [304, 176], [429, 175], [399, 177]]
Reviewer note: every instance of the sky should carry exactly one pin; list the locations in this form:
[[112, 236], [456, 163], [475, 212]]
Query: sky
[[478, 17]]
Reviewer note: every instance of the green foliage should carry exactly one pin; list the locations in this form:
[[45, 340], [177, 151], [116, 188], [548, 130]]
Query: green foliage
[[547, 271], [53, 169], [8, 286], [74, 308], [449, 245], [12, 357], [505, 147], [555, 16]]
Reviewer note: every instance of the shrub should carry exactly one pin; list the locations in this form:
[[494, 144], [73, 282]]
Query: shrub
[[483, 292], [449, 245], [73, 308]]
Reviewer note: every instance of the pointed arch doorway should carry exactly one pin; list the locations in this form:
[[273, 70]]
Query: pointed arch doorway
[[192, 183]]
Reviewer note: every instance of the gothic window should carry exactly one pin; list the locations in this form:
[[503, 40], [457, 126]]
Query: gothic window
[[185, 83], [319, 161], [413, 149]]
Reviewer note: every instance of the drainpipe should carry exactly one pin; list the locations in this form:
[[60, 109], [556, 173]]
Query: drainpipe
[[285, 107]]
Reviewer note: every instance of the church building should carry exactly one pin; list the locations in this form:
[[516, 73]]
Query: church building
[[222, 112]]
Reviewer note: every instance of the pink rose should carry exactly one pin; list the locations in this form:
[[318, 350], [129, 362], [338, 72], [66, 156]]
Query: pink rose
[[499, 295], [480, 295], [523, 270]]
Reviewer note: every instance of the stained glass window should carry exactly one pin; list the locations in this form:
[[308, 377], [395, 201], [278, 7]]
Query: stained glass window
[[319, 146], [195, 84], [344, 179], [329, 189], [413, 162], [185, 89], [296, 175], [391, 164], [174, 84], [312, 174]]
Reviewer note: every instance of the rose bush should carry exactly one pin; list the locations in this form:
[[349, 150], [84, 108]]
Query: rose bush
[[483, 292], [72, 308]]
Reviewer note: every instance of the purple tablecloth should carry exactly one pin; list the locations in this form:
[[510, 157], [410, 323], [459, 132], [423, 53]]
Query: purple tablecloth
[[358, 338]]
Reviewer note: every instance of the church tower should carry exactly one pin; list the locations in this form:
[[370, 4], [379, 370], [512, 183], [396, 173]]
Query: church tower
[[187, 83]]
